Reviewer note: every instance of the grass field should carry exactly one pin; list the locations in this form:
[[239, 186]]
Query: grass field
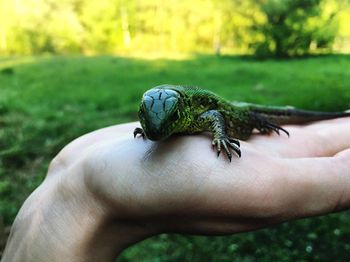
[[46, 102]]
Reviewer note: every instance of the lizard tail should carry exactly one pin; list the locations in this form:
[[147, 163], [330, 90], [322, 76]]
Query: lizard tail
[[282, 116]]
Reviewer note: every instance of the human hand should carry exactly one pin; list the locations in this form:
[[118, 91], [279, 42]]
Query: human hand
[[136, 188]]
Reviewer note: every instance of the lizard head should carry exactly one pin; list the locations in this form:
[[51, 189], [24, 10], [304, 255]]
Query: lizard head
[[159, 113]]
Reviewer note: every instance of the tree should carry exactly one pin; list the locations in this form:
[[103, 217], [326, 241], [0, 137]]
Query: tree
[[293, 27]]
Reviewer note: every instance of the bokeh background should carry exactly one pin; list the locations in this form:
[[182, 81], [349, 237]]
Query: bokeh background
[[71, 66]]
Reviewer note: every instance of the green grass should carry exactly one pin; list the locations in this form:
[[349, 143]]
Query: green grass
[[46, 102]]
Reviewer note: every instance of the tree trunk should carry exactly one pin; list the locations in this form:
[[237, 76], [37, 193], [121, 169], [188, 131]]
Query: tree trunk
[[125, 26]]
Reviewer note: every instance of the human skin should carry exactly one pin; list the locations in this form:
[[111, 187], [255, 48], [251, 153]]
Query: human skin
[[106, 190]]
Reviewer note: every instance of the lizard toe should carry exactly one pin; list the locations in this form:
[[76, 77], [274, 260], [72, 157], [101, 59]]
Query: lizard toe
[[228, 144], [235, 148], [227, 150], [139, 131], [235, 141]]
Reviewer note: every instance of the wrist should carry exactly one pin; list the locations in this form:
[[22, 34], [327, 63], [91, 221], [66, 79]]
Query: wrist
[[63, 220]]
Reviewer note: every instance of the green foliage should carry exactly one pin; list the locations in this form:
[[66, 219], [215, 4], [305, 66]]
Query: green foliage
[[47, 102], [318, 239], [280, 27], [293, 27]]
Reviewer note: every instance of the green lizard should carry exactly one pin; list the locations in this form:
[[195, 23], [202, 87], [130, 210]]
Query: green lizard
[[170, 109]]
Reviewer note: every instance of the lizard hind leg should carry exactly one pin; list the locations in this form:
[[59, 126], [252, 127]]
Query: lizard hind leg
[[264, 126]]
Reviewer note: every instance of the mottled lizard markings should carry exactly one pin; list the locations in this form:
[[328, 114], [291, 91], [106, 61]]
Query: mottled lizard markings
[[168, 109]]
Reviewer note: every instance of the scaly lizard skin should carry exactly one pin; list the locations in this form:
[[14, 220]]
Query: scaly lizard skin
[[170, 109]]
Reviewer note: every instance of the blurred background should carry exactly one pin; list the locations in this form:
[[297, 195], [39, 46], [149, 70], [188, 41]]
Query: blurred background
[[265, 28], [71, 66]]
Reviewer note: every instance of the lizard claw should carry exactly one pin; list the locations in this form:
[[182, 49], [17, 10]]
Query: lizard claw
[[139, 131], [228, 144], [277, 129], [266, 127]]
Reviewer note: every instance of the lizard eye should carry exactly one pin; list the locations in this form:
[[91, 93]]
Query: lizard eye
[[174, 116]]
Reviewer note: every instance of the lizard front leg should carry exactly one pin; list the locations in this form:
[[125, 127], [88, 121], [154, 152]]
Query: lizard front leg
[[214, 122], [139, 131]]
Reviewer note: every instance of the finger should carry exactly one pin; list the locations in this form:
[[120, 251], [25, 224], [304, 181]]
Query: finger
[[325, 138], [297, 188], [315, 186]]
